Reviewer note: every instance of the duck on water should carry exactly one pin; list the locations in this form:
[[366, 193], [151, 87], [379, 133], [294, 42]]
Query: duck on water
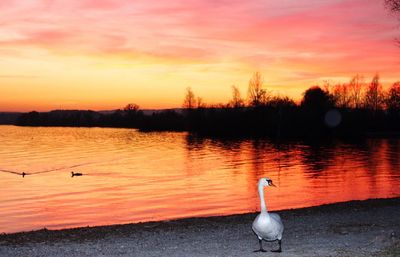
[[267, 226], [75, 174]]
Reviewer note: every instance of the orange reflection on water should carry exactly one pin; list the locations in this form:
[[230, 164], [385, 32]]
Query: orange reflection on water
[[133, 177]]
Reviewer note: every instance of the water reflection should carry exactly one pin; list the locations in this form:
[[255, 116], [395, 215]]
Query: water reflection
[[132, 176], [308, 173]]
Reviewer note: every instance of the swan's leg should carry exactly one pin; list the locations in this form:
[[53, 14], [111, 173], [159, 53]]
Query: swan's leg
[[261, 248], [280, 247]]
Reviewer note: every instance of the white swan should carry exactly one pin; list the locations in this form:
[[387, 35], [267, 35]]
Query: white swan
[[267, 226]]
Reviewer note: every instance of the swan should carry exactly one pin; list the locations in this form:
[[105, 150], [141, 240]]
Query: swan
[[267, 226]]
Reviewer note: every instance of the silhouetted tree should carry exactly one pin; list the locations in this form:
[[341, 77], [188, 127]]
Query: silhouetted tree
[[315, 103], [129, 108], [190, 101], [374, 97], [355, 88], [341, 95], [257, 96], [200, 103], [281, 102], [132, 115], [393, 97], [316, 98], [237, 100]]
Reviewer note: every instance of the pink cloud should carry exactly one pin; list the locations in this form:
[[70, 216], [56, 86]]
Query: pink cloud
[[101, 4], [333, 34]]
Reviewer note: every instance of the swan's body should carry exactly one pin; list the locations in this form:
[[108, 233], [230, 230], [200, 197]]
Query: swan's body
[[267, 226]]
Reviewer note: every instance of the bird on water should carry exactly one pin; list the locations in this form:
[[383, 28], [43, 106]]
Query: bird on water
[[267, 226], [75, 174]]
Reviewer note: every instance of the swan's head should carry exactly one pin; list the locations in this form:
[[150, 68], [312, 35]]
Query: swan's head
[[266, 182]]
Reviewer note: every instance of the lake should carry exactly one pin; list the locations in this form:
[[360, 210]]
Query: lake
[[129, 176]]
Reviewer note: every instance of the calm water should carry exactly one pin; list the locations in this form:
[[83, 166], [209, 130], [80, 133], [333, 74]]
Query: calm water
[[131, 176]]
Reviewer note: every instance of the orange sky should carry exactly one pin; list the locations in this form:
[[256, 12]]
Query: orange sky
[[103, 54]]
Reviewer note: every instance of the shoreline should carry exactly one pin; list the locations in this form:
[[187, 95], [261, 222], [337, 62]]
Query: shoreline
[[355, 228], [382, 134]]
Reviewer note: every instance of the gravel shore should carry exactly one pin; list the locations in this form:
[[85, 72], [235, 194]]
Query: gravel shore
[[357, 228]]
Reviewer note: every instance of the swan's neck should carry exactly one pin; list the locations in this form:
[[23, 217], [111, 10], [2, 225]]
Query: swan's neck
[[262, 200]]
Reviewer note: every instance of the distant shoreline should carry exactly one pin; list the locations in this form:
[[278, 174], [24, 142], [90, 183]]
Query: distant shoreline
[[362, 228], [279, 122], [368, 135]]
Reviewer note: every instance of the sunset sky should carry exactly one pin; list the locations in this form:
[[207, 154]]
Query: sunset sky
[[103, 54]]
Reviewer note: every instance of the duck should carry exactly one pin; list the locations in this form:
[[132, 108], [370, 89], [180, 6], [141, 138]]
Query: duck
[[267, 226], [73, 174]]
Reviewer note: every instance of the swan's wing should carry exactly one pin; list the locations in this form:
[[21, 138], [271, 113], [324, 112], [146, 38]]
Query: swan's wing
[[276, 217], [279, 224], [261, 226], [255, 226]]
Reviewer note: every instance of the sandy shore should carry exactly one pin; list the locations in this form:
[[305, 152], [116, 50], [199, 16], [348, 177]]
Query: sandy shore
[[357, 228]]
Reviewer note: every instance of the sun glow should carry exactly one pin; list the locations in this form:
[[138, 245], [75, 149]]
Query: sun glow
[[107, 53]]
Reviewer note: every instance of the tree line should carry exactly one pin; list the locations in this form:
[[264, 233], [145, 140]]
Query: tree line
[[355, 94], [355, 108], [358, 108]]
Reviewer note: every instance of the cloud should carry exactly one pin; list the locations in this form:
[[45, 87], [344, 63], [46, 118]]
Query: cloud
[[316, 34]]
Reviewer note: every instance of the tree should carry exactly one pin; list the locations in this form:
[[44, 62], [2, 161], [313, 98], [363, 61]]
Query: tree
[[257, 96], [355, 88], [281, 102], [132, 115], [317, 99], [341, 95], [131, 108], [237, 100], [374, 97], [190, 100], [393, 97], [200, 103]]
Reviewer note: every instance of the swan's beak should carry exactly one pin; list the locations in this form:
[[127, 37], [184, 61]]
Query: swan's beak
[[272, 184]]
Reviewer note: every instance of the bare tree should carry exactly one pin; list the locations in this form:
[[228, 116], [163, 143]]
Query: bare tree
[[355, 88], [257, 96], [190, 101], [237, 100], [200, 103], [341, 95], [374, 97]]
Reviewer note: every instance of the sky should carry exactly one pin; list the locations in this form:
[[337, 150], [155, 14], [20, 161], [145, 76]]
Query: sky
[[104, 54]]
